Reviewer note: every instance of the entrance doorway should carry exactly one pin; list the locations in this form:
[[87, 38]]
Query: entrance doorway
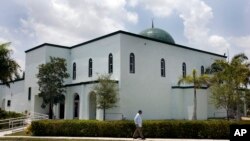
[[76, 106], [61, 110]]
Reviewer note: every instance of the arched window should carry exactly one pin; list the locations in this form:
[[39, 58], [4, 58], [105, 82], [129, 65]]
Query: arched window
[[163, 72], [184, 69], [132, 63], [90, 67], [74, 71], [202, 70], [110, 63], [29, 94]]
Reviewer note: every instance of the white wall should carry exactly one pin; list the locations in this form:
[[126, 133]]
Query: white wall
[[99, 52], [33, 59], [15, 93], [146, 89], [183, 103]]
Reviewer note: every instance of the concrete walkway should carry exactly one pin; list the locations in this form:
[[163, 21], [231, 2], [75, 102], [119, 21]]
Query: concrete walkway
[[105, 139], [2, 135]]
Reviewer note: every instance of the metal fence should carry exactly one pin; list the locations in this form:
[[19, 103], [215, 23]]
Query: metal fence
[[20, 122]]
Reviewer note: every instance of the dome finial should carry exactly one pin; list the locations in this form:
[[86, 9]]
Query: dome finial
[[152, 22]]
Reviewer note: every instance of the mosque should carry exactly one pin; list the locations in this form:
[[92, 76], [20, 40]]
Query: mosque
[[146, 67]]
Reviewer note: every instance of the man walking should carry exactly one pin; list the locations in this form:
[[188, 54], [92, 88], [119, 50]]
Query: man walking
[[138, 124]]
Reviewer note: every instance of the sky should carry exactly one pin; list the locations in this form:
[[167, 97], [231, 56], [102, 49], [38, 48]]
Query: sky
[[216, 26]]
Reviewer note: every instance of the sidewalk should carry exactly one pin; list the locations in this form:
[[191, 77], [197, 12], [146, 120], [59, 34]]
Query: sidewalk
[[2, 133], [95, 138], [105, 139]]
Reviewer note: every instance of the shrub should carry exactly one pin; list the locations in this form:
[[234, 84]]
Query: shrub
[[216, 129], [5, 114]]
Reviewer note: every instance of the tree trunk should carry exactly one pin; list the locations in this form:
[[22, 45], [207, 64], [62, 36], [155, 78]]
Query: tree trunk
[[195, 105], [50, 111]]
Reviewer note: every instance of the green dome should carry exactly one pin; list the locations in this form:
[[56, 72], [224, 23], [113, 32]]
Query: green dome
[[158, 34]]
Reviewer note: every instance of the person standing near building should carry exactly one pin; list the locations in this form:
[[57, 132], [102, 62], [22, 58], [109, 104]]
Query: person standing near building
[[138, 124]]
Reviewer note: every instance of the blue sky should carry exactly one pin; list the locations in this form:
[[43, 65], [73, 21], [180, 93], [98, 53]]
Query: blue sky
[[218, 26]]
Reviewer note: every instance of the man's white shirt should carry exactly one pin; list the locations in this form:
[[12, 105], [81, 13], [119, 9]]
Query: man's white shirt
[[138, 120]]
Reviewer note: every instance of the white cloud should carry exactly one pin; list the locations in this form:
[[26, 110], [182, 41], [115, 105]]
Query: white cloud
[[132, 17], [219, 42], [132, 3], [4, 32], [243, 43], [160, 8], [6, 37], [196, 16], [64, 22], [69, 22]]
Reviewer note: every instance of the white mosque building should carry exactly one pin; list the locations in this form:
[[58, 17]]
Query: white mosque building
[[146, 67]]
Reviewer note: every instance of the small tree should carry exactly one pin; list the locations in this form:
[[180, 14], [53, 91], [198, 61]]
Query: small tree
[[222, 96], [8, 66], [50, 80], [106, 91], [198, 81]]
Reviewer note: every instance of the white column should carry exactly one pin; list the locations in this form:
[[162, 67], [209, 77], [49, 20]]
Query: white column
[[81, 103], [68, 114]]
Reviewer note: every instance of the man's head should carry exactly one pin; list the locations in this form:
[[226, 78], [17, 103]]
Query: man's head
[[140, 112]]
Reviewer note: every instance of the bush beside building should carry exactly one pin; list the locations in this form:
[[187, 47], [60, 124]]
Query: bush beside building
[[216, 129]]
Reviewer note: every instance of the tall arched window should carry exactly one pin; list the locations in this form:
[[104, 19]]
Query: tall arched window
[[132, 63], [90, 67], [29, 93], [184, 69], [74, 71], [110, 63], [202, 70], [163, 72]]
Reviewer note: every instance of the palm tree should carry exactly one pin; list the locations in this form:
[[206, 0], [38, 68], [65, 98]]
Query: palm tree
[[8, 66], [197, 81], [235, 75]]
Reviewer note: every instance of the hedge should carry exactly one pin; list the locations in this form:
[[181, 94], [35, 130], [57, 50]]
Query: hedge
[[8, 114], [218, 129]]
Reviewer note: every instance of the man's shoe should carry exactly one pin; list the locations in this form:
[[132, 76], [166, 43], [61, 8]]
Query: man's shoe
[[143, 138]]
